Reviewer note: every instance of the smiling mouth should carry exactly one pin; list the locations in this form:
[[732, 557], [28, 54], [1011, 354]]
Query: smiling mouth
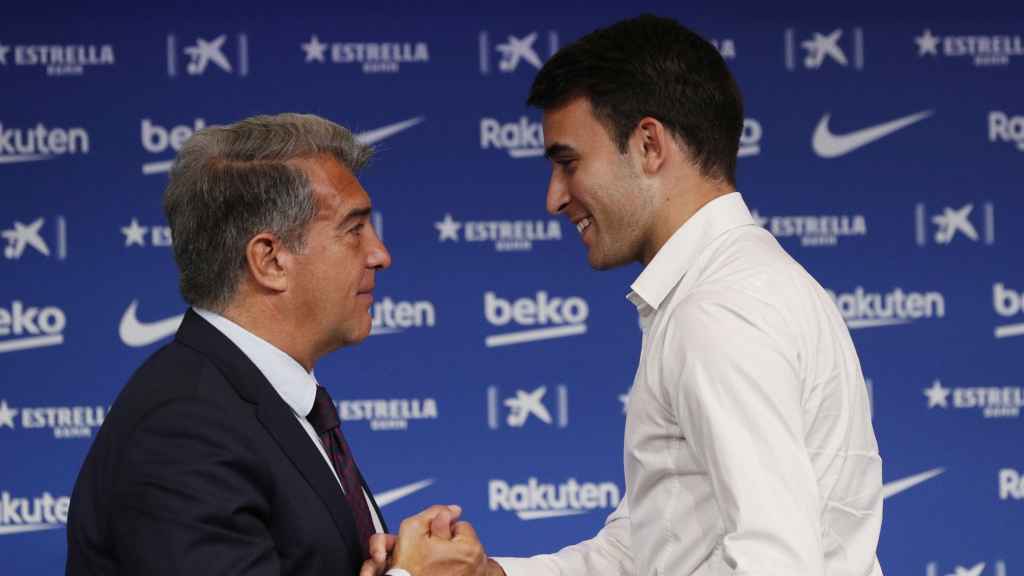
[[583, 224]]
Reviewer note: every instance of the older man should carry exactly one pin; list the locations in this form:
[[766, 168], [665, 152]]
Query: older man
[[222, 455]]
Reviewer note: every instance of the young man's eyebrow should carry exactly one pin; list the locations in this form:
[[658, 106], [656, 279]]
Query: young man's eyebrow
[[558, 150]]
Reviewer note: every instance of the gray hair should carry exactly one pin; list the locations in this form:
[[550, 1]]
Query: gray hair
[[230, 183]]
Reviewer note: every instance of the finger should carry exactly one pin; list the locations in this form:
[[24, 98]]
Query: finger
[[380, 545], [456, 511], [419, 524], [441, 525], [464, 531], [371, 568]]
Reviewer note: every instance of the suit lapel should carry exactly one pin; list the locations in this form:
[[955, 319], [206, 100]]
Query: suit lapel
[[281, 424], [275, 416]]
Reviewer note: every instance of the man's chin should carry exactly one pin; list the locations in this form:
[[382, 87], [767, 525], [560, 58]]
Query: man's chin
[[602, 261], [358, 335]]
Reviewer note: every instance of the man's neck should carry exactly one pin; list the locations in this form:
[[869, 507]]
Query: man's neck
[[276, 328], [680, 204]]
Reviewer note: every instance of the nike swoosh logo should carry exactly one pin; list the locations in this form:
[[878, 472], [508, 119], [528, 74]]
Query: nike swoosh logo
[[896, 486], [829, 145], [373, 136], [135, 333], [385, 498]]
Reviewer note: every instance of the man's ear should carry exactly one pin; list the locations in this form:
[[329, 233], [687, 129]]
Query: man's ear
[[651, 143], [268, 262]]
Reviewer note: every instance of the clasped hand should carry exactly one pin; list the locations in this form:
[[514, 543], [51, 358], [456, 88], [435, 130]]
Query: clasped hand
[[431, 543]]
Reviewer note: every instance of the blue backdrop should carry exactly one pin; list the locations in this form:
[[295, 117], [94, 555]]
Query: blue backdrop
[[883, 149]]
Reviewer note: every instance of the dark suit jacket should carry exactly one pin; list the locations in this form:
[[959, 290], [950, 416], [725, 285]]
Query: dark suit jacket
[[201, 468]]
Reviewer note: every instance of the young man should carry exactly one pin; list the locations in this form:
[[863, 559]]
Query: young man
[[749, 447]]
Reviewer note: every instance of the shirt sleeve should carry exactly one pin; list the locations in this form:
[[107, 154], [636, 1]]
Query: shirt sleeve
[[733, 378], [606, 554]]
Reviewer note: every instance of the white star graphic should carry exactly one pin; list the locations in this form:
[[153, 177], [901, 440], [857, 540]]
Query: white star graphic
[[447, 229], [134, 234], [3, 54], [761, 220], [937, 395], [927, 43], [7, 415], [314, 49]]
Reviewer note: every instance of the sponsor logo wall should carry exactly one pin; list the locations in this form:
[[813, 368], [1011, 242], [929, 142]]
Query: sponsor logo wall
[[883, 153]]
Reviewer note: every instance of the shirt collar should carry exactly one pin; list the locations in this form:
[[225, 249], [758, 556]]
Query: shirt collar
[[681, 250], [289, 379]]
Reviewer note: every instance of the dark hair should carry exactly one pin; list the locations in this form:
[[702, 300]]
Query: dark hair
[[229, 183], [651, 66]]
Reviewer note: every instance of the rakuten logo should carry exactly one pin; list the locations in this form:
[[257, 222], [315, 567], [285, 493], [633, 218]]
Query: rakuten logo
[[1005, 128], [862, 309], [1008, 303], [30, 327], [568, 317], [391, 317], [41, 143], [44, 512], [156, 140], [1011, 484], [522, 139], [534, 500]]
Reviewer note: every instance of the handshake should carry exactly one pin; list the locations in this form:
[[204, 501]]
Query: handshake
[[433, 542]]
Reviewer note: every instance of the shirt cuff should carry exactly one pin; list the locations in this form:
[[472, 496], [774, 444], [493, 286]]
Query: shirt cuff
[[397, 572]]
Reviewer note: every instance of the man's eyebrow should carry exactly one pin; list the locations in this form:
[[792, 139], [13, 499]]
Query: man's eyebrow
[[558, 150], [355, 214]]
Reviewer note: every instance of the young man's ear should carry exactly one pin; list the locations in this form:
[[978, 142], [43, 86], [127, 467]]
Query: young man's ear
[[268, 261], [652, 144]]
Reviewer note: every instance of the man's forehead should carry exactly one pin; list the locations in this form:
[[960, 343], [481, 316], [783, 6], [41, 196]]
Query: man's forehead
[[332, 183], [572, 124]]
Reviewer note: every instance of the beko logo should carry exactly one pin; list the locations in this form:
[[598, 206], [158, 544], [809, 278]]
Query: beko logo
[[30, 327], [156, 140], [559, 317], [1008, 303]]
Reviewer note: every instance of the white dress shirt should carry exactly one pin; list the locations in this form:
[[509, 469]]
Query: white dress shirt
[[749, 447], [288, 378]]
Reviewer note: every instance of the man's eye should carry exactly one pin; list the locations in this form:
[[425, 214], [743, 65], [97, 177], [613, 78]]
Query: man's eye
[[357, 229]]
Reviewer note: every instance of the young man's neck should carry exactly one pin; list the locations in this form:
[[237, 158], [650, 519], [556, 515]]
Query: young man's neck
[[680, 204]]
